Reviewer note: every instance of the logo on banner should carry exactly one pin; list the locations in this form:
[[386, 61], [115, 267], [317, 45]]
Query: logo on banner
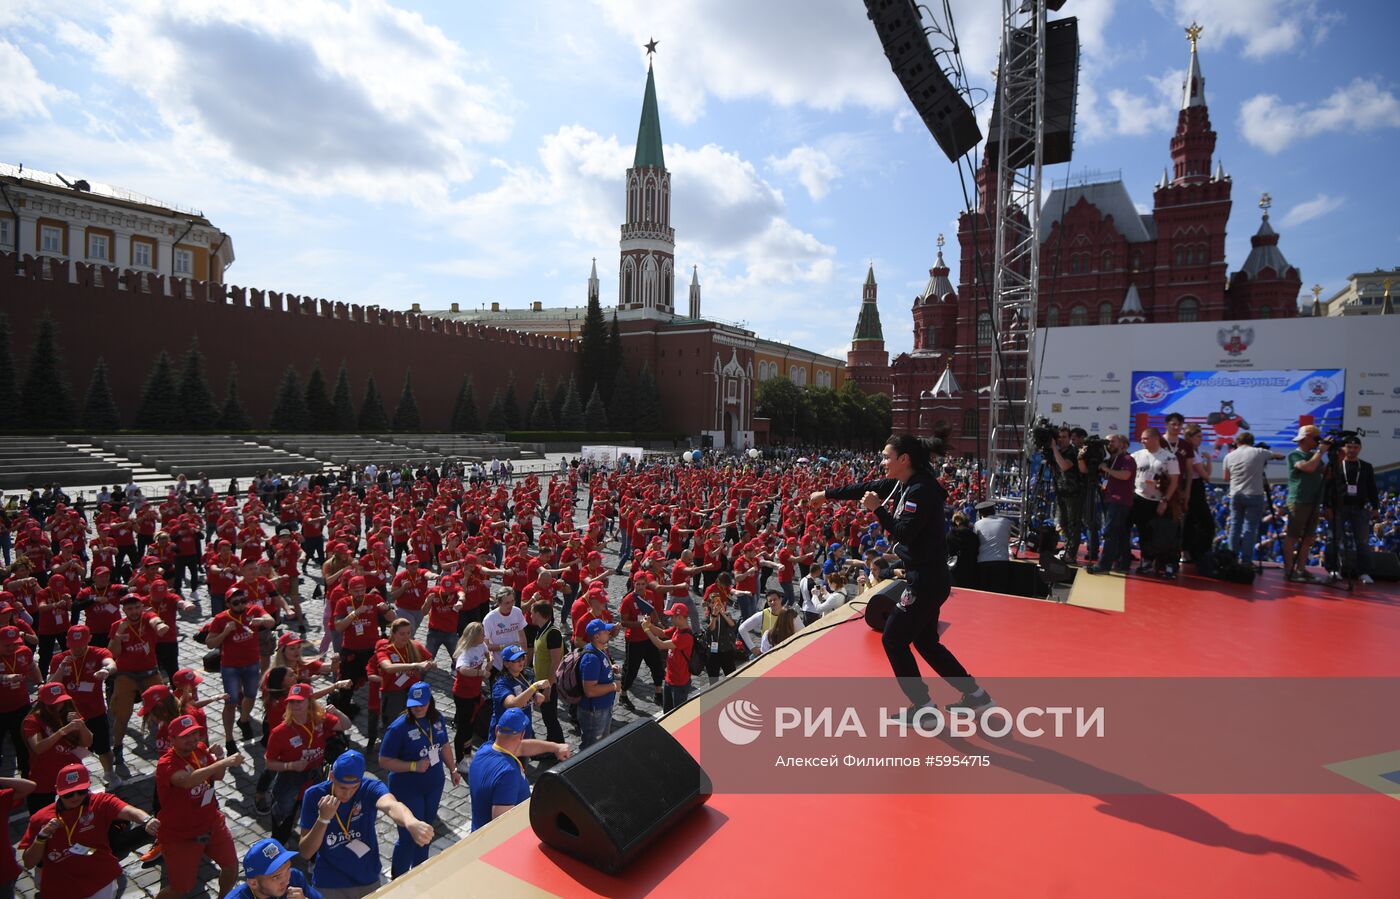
[[1234, 340], [1319, 391], [1151, 389], [741, 722]]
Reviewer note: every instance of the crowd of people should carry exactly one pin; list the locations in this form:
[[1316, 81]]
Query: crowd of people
[[463, 614]]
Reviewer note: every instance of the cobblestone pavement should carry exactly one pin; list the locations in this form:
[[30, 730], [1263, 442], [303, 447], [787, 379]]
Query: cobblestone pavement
[[235, 794]]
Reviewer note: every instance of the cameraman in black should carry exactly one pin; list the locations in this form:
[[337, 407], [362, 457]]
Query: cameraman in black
[[1069, 488], [1352, 502]]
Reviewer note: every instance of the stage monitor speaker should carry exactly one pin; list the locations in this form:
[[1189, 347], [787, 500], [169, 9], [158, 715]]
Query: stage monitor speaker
[[606, 805], [1385, 566], [944, 111], [1061, 86], [880, 604], [1024, 579]]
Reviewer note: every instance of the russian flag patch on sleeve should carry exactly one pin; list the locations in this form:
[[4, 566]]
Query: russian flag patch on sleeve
[[911, 506]]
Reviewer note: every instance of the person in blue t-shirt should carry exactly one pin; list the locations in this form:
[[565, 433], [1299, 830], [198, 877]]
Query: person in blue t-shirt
[[268, 866], [418, 756], [337, 823], [597, 676], [496, 777], [513, 689]]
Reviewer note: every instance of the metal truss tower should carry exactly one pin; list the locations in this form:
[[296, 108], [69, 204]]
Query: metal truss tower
[[1020, 111]]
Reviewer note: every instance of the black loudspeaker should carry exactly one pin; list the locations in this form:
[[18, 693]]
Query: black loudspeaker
[[1023, 579], [606, 805], [1047, 540], [944, 111], [1385, 566], [1061, 86], [879, 606]]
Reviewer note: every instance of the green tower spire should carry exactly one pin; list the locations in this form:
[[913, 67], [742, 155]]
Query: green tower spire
[[649, 132]]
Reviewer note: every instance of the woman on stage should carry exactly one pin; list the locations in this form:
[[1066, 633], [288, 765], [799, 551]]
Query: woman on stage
[[908, 503]]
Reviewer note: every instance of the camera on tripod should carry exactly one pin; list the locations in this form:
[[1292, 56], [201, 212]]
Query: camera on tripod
[[1095, 451], [1334, 439], [1043, 435]]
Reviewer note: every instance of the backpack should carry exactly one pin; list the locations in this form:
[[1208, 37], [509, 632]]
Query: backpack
[[699, 656], [566, 680]]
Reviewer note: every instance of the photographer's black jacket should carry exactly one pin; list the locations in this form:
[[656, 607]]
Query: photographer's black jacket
[[912, 514], [1366, 492]]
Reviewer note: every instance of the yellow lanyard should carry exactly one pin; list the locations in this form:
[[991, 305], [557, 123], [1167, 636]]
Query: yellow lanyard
[[497, 747], [343, 828], [77, 822]]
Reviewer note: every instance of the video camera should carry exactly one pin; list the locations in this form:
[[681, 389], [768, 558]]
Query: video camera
[[1043, 435], [1095, 451]]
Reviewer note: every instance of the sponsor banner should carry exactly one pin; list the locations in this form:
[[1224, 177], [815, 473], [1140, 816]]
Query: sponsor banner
[[1270, 404]]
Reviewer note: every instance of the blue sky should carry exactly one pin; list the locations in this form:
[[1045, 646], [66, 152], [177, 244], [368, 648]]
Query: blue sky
[[474, 152]]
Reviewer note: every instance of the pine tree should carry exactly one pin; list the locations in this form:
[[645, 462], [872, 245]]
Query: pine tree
[[47, 400], [464, 413], [649, 418], [540, 417], [571, 418], [510, 405], [198, 409], [613, 359], [233, 417], [345, 420], [100, 407], [556, 402], [592, 348], [623, 408], [320, 413], [160, 399], [289, 413], [595, 414], [406, 417], [373, 419], [9, 384], [496, 414]]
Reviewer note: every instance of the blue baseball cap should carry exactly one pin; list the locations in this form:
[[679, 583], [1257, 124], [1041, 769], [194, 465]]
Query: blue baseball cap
[[511, 653], [512, 721], [349, 768], [266, 856], [419, 694], [835, 546], [598, 625]]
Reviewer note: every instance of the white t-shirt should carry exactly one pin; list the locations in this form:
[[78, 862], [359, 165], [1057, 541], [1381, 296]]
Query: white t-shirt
[[1149, 465], [503, 630], [471, 659]]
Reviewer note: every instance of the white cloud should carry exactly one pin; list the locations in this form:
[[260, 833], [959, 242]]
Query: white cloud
[[1137, 114], [368, 99], [1317, 207], [1265, 27], [25, 94], [1272, 125], [814, 169]]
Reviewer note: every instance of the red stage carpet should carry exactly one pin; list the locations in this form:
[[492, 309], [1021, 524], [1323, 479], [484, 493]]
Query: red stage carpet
[[1109, 845]]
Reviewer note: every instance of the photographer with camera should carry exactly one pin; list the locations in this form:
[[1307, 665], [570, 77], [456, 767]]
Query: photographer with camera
[[1352, 505], [1158, 478], [1304, 493], [1244, 472], [1120, 470], [1069, 488]]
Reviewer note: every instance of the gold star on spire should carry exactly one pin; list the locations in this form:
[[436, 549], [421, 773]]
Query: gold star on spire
[[1265, 202], [1193, 34], [651, 47], [940, 241]]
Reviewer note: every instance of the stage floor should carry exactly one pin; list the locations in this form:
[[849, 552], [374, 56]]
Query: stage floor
[[1017, 845]]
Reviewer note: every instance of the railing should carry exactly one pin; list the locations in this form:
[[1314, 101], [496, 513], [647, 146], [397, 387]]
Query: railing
[[96, 188]]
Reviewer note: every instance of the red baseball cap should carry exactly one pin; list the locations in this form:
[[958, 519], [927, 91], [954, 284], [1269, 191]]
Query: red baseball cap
[[186, 676], [72, 778], [358, 581], [79, 630], [150, 560], [53, 693], [411, 560], [101, 569], [150, 696], [9, 634], [159, 586], [299, 693], [185, 724], [678, 608], [289, 639]]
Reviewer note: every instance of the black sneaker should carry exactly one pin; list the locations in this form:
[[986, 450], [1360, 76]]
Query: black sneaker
[[1146, 569], [230, 747], [262, 805], [246, 729], [1169, 573], [974, 702], [913, 714]]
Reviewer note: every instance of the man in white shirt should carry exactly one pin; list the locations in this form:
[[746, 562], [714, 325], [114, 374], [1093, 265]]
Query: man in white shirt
[[1158, 479], [993, 549], [504, 625], [1244, 470]]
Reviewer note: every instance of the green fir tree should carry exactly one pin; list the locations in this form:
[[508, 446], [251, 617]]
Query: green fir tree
[[373, 418], [47, 400], [160, 399], [406, 417], [100, 407]]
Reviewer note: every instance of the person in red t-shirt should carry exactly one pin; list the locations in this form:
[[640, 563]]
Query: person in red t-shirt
[[77, 817], [191, 824], [679, 643], [83, 670], [410, 591], [234, 632], [637, 609], [296, 755], [359, 615], [400, 663], [12, 789], [132, 642], [168, 604], [54, 606], [55, 734]]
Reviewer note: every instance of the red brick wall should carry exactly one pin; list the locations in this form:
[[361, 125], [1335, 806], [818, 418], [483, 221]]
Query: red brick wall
[[128, 318]]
